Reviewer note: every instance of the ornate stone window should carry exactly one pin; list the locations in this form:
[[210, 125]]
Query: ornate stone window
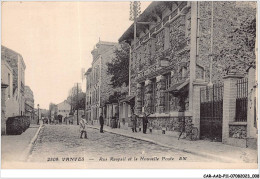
[[167, 94], [142, 94], [153, 105]]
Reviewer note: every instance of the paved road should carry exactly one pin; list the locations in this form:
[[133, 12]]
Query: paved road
[[63, 141]]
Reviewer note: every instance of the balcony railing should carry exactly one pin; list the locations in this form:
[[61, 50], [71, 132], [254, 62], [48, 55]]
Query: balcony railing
[[152, 30], [174, 13], [158, 26], [166, 19], [162, 23], [183, 4], [146, 37]]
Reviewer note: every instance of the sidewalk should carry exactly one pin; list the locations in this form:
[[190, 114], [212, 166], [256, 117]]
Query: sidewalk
[[214, 150], [16, 147]]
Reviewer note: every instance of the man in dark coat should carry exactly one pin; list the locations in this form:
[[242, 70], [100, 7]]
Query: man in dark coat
[[145, 121], [101, 121], [134, 122]]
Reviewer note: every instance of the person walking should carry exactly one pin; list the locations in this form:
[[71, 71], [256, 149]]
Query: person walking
[[145, 121], [101, 121], [134, 122], [82, 125]]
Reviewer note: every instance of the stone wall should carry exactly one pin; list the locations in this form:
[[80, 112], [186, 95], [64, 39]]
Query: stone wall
[[173, 124], [227, 16], [238, 131]]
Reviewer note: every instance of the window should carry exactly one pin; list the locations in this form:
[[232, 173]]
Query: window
[[153, 96], [167, 94], [142, 94], [166, 38], [9, 85]]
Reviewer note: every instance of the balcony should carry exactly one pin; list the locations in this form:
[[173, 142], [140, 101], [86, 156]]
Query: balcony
[[166, 20], [182, 5], [158, 26], [152, 30], [174, 14], [146, 37], [164, 58]]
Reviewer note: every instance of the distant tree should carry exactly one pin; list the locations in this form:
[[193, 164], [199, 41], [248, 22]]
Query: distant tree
[[116, 96], [52, 108], [77, 101], [119, 66]]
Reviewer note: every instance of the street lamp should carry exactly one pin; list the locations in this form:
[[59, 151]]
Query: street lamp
[[38, 114]]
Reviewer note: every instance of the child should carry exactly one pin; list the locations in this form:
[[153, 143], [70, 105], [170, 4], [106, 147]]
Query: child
[[82, 125]]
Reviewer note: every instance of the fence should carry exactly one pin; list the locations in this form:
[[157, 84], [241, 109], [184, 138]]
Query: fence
[[211, 112], [241, 100]]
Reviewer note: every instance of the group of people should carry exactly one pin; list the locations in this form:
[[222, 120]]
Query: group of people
[[144, 117], [134, 117]]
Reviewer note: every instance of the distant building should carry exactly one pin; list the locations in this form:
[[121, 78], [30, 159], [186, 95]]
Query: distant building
[[53, 111], [64, 109], [98, 89], [29, 104]]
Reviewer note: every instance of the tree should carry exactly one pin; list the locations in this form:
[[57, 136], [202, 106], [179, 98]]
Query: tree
[[76, 98], [52, 108], [119, 67]]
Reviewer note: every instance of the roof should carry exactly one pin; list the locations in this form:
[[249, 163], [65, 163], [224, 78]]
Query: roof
[[178, 86], [127, 99], [88, 71], [12, 54], [106, 43]]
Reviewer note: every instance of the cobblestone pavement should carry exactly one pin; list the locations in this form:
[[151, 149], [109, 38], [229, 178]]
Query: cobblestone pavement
[[60, 141]]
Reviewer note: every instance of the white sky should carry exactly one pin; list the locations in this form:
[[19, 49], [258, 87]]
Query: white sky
[[56, 38]]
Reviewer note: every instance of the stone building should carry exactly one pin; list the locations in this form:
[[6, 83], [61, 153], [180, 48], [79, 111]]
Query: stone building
[[178, 52], [16, 62], [64, 109], [29, 104], [98, 87], [12, 82]]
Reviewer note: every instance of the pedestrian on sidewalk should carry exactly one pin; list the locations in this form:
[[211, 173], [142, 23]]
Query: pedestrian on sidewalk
[[83, 127], [134, 122], [145, 122], [101, 121]]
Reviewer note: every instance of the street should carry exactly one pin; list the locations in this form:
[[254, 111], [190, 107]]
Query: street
[[61, 141]]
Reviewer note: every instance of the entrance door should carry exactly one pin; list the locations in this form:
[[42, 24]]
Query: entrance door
[[211, 112]]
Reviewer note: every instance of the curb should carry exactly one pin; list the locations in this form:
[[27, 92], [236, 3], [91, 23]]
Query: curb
[[31, 144], [202, 154]]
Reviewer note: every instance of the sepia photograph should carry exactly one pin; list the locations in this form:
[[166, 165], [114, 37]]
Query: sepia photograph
[[129, 85]]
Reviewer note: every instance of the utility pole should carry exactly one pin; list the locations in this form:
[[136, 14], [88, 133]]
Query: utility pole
[[38, 122], [135, 11], [211, 43], [77, 105]]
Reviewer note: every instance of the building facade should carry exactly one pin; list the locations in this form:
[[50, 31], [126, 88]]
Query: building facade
[[16, 63], [64, 109], [12, 82], [98, 87], [177, 54], [29, 104]]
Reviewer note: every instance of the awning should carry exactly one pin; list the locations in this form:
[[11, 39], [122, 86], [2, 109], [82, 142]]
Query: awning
[[3, 85], [128, 99], [176, 88]]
